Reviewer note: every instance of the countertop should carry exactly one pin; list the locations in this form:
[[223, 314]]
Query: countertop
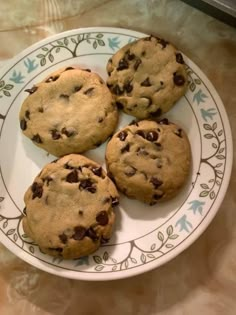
[[203, 278]]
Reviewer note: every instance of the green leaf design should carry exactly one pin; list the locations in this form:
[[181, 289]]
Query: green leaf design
[[204, 186], [169, 230], [114, 268], [15, 237], [6, 93], [208, 136], [5, 224], [125, 264], [219, 172], [95, 44], [150, 256], [220, 157], [221, 150], [169, 246], [134, 261], [220, 133], [101, 42], [73, 40], [2, 83], [207, 126], [143, 258], [43, 62], [160, 236], [8, 87], [218, 182], [214, 145], [97, 259], [57, 49], [105, 256], [99, 35], [211, 180], [10, 232], [197, 81], [66, 41], [214, 126], [50, 57], [99, 267], [31, 249], [59, 42], [40, 56], [212, 195], [114, 260], [192, 87], [204, 193], [153, 246], [174, 236], [45, 49], [79, 38]]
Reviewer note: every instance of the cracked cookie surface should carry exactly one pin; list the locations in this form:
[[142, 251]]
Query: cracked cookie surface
[[71, 111], [149, 160], [59, 217], [147, 77]]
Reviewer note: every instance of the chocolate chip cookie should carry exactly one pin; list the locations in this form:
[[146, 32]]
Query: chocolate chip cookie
[[147, 77], [149, 160], [71, 111], [69, 207]]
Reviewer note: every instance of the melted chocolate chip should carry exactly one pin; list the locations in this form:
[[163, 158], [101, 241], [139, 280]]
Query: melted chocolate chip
[[79, 234], [77, 88], [47, 180], [179, 133], [123, 64], [117, 90], [92, 234], [36, 138], [128, 87], [179, 80], [55, 161], [102, 218], [64, 96], [134, 122], [40, 110], [87, 184], [114, 201], [72, 177], [156, 182], [100, 119], [141, 133], [89, 91], [81, 212], [37, 190], [137, 64], [164, 121], [157, 113], [23, 124], [68, 167], [63, 238], [104, 240], [88, 70], [163, 42], [125, 148], [32, 90], [97, 171], [146, 82], [130, 56], [55, 134], [27, 114], [68, 132], [69, 68], [179, 58], [52, 79], [119, 105], [152, 136], [122, 135]]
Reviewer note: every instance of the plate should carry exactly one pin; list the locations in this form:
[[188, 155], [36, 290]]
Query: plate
[[144, 237]]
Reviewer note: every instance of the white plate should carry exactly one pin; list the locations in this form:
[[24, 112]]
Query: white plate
[[144, 237]]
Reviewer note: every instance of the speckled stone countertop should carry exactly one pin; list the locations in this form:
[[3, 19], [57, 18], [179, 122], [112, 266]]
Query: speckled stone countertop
[[203, 278]]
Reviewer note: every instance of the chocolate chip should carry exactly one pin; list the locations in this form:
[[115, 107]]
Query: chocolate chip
[[158, 146], [143, 53], [148, 39], [178, 79], [69, 68], [32, 90], [57, 249], [55, 134], [104, 240], [141, 133], [36, 138], [114, 201], [72, 177], [130, 171], [128, 87], [163, 42], [102, 218], [37, 190], [117, 90], [157, 196], [55, 161], [179, 133], [68, 167], [69, 132], [63, 238], [137, 64], [97, 171], [79, 234], [146, 82], [40, 110], [164, 121], [64, 96], [77, 88], [88, 70], [81, 212], [156, 182], [122, 65], [100, 119], [157, 113], [179, 58], [23, 124], [134, 122], [24, 211], [152, 136], [125, 148], [122, 135], [87, 184], [161, 83], [92, 234], [119, 105], [27, 114], [130, 56], [89, 91], [47, 180], [52, 79]]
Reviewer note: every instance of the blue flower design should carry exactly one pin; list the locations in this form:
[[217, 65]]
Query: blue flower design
[[196, 206], [114, 42], [209, 113], [184, 224], [30, 65], [17, 77], [199, 97]]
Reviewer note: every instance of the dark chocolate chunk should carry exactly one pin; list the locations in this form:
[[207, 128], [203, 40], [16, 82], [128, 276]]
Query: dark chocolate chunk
[[23, 124], [117, 90], [146, 82], [130, 56], [143, 53], [69, 68], [100, 119], [68, 132], [119, 105], [178, 79], [37, 190], [87, 184], [72, 177], [141, 133], [156, 182], [47, 180], [148, 39], [179, 133], [179, 58], [134, 122], [128, 87], [114, 201], [77, 88], [40, 110], [92, 234], [137, 64], [97, 171], [55, 134], [157, 113], [89, 91], [104, 240], [79, 234], [125, 148], [158, 146], [27, 114], [32, 90], [102, 218], [64, 96], [122, 65], [152, 136], [63, 238], [52, 79], [81, 212], [164, 121], [122, 135], [36, 138], [68, 167], [163, 42]]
